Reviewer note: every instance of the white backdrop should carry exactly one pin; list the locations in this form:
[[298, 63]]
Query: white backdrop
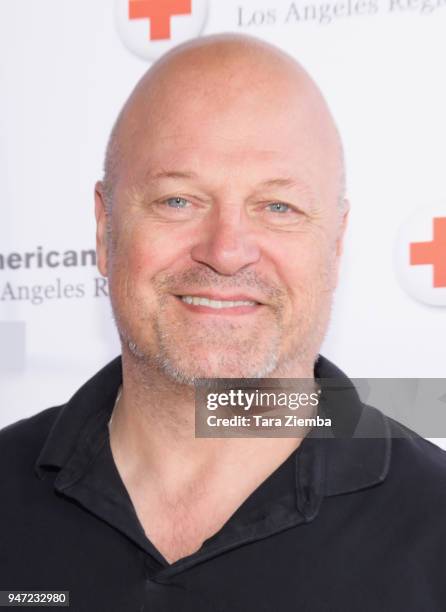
[[66, 68]]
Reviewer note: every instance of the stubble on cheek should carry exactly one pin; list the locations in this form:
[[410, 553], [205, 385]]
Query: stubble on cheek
[[312, 301], [158, 331], [152, 325]]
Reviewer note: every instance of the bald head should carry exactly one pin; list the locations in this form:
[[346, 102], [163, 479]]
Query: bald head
[[239, 79]]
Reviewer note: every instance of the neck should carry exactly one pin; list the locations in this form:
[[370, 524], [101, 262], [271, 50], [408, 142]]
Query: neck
[[153, 428]]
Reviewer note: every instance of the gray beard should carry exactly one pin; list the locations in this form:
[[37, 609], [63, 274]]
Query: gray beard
[[164, 363]]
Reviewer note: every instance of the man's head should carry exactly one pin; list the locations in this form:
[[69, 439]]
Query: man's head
[[223, 180]]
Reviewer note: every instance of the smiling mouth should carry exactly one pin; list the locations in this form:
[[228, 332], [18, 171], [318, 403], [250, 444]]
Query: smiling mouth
[[206, 302]]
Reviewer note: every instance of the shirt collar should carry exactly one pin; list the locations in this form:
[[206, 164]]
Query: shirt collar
[[335, 464], [91, 403], [357, 448]]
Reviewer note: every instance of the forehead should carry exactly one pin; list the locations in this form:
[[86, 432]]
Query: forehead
[[230, 148], [228, 125]]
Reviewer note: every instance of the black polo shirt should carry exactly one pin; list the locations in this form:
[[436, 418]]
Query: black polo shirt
[[342, 525]]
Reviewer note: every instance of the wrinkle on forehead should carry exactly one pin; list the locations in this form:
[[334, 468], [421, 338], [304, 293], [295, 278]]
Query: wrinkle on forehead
[[221, 78]]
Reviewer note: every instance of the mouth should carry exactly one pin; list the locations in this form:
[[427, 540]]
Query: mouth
[[219, 305]]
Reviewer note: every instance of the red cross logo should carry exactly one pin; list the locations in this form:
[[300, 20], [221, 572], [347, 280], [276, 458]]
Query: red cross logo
[[433, 253], [159, 12]]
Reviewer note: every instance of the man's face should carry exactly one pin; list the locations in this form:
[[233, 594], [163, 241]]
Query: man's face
[[225, 234]]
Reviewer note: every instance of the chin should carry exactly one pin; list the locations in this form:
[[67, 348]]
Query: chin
[[185, 357], [216, 366]]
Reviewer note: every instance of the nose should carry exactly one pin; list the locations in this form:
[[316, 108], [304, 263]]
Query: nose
[[226, 244]]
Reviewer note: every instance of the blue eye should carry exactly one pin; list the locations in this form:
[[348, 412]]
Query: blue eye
[[279, 207], [177, 202]]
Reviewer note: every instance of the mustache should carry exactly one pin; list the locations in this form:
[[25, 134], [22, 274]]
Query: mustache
[[206, 278]]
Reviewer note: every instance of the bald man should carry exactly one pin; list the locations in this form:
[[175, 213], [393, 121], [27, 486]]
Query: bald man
[[220, 221]]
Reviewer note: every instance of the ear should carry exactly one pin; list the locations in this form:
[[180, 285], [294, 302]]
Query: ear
[[343, 227], [341, 234], [101, 229]]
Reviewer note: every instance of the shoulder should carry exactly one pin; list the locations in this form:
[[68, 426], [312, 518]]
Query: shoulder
[[415, 456], [24, 439], [415, 487]]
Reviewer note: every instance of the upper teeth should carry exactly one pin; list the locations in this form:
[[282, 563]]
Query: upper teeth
[[202, 301]]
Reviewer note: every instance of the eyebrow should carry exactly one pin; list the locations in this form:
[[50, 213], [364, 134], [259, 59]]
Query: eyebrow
[[175, 174], [278, 182]]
